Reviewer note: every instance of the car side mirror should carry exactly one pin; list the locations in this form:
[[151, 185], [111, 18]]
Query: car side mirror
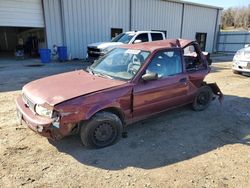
[[247, 45], [150, 76], [137, 41]]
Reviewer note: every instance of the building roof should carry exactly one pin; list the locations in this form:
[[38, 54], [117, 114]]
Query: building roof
[[195, 4], [156, 45]]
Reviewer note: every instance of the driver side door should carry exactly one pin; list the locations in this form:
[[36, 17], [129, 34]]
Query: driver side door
[[168, 91]]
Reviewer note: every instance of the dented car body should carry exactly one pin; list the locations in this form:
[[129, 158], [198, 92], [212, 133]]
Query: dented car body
[[128, 84]]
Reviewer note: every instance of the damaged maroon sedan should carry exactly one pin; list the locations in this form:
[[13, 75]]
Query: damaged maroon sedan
[[128, 84]]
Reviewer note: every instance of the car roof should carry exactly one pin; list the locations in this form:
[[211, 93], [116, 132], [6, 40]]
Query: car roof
[[137, 32], [156, 45]]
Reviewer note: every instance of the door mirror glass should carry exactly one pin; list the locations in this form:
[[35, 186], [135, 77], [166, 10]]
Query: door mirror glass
[[150, 76]]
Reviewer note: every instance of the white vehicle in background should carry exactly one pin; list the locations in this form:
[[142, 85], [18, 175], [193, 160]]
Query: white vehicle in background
[[96, 50], [241, 61]]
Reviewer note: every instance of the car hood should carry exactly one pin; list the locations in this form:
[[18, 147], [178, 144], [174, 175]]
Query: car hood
[[58, 88], [247, 52], [243, 54], [103, 45]]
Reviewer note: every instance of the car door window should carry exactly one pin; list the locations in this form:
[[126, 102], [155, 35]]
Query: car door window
[[192, 59], [166, 63], [143, 37], [156, 36]]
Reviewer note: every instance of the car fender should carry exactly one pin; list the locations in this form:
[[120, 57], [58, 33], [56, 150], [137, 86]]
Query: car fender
[[216, 91], [103, 107]]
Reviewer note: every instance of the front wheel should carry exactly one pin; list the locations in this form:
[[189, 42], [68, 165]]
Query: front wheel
[[103, 129], [236, 72], [203, 98]]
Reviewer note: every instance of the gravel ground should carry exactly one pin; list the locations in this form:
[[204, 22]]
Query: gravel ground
[[179, 148]]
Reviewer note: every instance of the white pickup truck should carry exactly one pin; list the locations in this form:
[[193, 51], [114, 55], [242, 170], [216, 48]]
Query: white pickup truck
[[96, 50]]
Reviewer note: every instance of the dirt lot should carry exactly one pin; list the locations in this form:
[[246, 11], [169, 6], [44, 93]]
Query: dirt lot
[[180, 148]]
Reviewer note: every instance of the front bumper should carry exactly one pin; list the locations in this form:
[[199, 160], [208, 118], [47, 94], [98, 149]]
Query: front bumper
[[41, 125], [241, 66], [92, 58], [93, 53]]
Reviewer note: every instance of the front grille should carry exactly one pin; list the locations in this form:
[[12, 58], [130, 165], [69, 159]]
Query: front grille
[[94, 52], [94, 49], [28, 102]]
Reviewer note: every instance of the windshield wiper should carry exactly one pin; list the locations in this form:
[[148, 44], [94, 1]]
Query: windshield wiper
[[90, 70], [103, 75], [93, 72]]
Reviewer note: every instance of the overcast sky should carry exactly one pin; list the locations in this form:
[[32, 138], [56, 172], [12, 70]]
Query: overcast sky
[[222, 3]]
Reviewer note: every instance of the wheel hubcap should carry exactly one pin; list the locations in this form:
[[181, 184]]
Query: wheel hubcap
[[203, 98], [104, 132]]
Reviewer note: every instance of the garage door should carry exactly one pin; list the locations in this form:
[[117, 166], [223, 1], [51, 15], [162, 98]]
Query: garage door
[[21, 13]]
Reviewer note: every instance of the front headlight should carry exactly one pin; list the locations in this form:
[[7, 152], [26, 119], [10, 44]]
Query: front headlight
[[239, 54], [42, 111]]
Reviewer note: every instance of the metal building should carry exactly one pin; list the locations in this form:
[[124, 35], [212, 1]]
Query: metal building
[[76, 23]]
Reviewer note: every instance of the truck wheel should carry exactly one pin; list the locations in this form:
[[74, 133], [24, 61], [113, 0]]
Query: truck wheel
[[103, 129], [203, 98]]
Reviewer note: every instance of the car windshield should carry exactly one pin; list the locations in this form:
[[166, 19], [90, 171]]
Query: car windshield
[[119, 63], [123, 37]]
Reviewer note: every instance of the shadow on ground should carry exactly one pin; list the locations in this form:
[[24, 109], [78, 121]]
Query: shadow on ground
[[215, 68], [170, 137]]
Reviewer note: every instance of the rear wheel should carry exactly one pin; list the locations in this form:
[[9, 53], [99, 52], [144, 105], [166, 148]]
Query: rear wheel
[[103, 129], [203, 98]]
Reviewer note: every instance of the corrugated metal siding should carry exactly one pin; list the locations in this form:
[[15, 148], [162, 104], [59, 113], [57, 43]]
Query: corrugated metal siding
[[21, 13], [91, 21], [219, 18], [88, 21], [157, 15], [233, 41], [54, 29], [217, 31], [199, 19]]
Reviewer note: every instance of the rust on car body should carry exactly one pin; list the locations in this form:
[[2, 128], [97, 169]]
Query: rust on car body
[[61, 103]]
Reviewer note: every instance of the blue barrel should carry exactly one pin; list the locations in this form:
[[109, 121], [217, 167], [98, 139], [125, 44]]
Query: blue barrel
[[62, 53], [45, 55]]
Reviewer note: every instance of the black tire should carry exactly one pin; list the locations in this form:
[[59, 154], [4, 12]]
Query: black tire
[[102, 130], [203, 98], [236, 72]]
